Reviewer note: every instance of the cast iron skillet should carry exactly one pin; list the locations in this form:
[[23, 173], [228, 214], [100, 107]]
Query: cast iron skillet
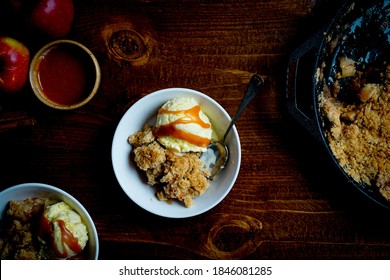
[[360, 30]]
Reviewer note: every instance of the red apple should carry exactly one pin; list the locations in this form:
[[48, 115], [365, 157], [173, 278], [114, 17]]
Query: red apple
[[53, 17], [14, 62]]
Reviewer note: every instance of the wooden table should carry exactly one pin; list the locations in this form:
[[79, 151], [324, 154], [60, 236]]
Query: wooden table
[[289, 201]]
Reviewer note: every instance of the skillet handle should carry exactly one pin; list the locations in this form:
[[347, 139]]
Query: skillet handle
[[300, 91]]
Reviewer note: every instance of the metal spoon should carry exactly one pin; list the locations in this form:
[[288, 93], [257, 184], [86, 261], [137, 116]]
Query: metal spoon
[[217, 154]]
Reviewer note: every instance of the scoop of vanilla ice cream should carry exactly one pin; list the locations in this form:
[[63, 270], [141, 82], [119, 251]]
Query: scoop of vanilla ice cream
[[65, 221], [181, 125]]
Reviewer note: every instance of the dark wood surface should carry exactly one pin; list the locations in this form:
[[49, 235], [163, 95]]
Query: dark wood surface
[[289, 201]]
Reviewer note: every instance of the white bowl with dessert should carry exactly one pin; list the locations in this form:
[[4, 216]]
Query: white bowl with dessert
[[156, 149], [39, 221]]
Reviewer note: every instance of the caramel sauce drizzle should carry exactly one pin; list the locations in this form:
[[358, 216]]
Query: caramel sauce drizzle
[[68, 238], [46, 231], [190, 116]]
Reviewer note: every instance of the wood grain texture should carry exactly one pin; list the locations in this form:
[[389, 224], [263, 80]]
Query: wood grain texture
[[289, 202]]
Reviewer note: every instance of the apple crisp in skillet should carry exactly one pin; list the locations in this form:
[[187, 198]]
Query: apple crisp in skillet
[[356, 115]]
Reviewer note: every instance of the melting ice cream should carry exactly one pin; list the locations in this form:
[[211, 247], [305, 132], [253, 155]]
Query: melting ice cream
[[182, 126], [64, 229]]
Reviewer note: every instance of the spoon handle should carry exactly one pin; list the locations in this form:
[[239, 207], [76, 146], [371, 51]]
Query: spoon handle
[[255, 83]]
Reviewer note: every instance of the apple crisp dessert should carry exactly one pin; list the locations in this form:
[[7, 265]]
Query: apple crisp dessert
[[178, 176], [22, 229], [357, 120]]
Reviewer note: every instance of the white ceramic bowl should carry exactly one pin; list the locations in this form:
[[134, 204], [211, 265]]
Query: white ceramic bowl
[[131, 180], [23, 191]]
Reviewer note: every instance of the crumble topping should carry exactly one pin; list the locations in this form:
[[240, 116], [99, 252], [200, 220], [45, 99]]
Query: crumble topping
[[177, 176]]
